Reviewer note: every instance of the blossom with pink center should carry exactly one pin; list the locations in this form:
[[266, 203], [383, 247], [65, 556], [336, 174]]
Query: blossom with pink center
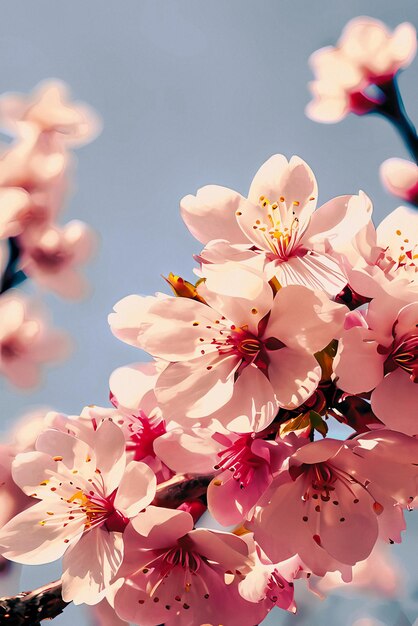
[[367, 53], [277, 227], [176, 575], [337, 498], [386, 253], [242, 340], [244, 466], [51, 257], [139, 430], [400, 177], [49, 110], [87, 494], [381, 356], [26, 342]]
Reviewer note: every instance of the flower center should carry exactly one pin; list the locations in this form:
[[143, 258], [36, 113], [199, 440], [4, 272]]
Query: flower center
[[405, 356], [50, 260], [143, 431], [322, 480], [240, 460]]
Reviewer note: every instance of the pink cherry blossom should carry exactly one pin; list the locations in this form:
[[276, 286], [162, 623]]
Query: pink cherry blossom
[[386, 253], [33, 161], [26, 342], [243, 464], [279, 225], [337, 498], [176, 575], [242, 339], [87, 494], [140, 431], [382, 357], [367, 53], [49, 110], [51, 257], [400, 177]]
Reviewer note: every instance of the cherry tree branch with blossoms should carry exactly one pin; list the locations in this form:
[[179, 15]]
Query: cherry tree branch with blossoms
[[300, 317]]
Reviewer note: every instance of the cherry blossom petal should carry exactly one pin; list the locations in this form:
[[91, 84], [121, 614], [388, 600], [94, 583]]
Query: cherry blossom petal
[[339, 220], [29, 469], [133, 386], [90, 565], [294, 181], [128, 316], [193, 452], [25, 540], [358, 365], [229, 503], [249, 412], [240, 293], [302, 318], [211, 214], [172, 328], [221, 547], [136, 489], [157, 528], [395, 402], [109, 447], [313, 270], [400, 177], [196, 388], [73, 451], [294, 376]]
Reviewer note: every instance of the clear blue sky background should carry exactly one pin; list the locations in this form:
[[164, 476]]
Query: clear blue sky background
[[191, 92]]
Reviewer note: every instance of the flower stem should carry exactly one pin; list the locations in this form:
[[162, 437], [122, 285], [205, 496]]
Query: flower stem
[[12, 276], [393, 109]]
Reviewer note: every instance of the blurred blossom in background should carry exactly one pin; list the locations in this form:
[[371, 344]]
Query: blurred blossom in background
[[192, 93]]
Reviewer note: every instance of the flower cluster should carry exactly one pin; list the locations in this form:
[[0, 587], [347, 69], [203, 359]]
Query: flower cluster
[[35, 178], [301, 317], [360, 75]]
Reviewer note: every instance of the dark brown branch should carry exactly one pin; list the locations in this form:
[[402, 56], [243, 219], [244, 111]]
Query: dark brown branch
[[32, 607]]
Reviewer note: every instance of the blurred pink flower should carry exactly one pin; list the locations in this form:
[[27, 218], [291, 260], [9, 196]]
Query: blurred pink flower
[[87, 494], [26, 342], [367, 53], [176, 575], [51, 256], [49, 110], [400, 177]]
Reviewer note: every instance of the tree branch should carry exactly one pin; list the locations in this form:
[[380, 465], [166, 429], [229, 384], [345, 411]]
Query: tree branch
[[30, 608]]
